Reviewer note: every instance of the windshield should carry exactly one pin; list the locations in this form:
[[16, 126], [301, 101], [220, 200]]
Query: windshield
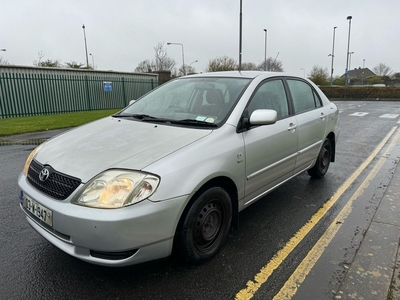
[[189, 101]]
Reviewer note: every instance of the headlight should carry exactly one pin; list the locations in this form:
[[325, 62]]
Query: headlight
[[30, 158], [117, 188]]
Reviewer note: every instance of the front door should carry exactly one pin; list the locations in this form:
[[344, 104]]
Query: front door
[[270, 150]]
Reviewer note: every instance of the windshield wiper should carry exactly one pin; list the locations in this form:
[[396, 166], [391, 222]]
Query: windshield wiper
[[194, 123], [148, 118], [136, 116]]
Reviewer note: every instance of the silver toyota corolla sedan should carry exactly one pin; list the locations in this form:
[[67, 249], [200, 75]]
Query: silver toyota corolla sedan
[[174, 169]]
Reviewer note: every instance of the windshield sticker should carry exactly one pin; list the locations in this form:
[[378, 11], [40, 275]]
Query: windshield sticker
[[200, 118], [210, 120]]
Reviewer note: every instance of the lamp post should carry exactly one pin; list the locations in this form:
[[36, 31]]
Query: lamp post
[[265, 50], [240, 36], [2, 49], [363, 63], [92, 59], [183, 56], [333, 52], [192, 69], [350, 53], [304, 72], [84, 37], [348, 47]]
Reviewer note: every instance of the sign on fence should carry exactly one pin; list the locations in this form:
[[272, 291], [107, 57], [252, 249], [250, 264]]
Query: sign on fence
[[107, 86]]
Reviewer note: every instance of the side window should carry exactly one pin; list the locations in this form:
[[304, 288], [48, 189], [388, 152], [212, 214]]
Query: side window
[[270, 95], [303, 96], [317, 100]]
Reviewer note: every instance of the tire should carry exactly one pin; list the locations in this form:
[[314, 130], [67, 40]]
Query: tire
[[323, 160], [205, 226]]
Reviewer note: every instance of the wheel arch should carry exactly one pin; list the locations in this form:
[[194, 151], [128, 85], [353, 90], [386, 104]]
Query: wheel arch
[[331, 137], [228, 185]]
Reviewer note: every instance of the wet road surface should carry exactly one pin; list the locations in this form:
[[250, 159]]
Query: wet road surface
[[31, 268]]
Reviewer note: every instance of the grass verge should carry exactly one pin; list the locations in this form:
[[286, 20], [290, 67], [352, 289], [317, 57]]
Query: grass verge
[[11, 126]]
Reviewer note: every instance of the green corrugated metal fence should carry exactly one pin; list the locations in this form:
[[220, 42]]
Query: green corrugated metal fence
[[26, 91]]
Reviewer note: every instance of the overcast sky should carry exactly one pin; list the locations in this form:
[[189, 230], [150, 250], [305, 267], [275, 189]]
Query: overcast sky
[[120, 34]]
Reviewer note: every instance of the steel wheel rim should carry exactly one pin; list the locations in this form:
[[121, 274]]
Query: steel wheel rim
[[208, 226], [325, 159]]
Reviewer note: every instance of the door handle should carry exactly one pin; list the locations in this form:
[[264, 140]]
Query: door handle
[[292, 127], [322, 116]]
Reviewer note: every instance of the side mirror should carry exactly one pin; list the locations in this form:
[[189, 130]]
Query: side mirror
[[263, 117], [132, 101]]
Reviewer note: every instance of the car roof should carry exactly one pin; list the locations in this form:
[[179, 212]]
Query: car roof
[[243, 74]]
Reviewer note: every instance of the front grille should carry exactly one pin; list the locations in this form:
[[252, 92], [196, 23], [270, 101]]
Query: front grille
[[57, 185]]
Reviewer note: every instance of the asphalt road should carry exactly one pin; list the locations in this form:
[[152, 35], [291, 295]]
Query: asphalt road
[[31, 268]]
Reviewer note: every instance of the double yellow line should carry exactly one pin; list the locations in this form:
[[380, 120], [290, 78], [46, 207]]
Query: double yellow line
[[298, 276]]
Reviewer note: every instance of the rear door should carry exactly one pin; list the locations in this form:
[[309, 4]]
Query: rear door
[[270, 150], [311, 119]]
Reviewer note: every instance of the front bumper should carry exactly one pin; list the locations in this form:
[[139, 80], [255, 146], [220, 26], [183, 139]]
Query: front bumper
[[135, 234]]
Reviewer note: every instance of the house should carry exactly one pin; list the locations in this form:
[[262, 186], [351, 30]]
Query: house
[[359, 75]]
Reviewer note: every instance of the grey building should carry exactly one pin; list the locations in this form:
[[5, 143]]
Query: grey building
[[359, 74]]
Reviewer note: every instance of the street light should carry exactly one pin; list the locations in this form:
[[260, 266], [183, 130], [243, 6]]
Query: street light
[[183, 56], [193, 62], [350, 53], [2, 49], [363, 63], [304, 72], [84, 37], [333, 52], [265, 50], [92, 59], [348, 47], [240, 36]]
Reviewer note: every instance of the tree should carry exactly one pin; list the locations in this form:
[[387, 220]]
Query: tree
[[374, 80], [338, 81], [249, 67], [223, 63], [47, 63], [162, 61], [189, 70], [271, 64], [382, 70], [319, 75], [145, 66], [396, 75], [40, 56], [3, 61], [75, 65]]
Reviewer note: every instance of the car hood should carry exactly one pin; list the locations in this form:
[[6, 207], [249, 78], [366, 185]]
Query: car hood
[[114, 143]]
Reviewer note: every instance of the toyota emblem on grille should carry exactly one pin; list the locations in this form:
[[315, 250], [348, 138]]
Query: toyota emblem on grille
[[44, 174]]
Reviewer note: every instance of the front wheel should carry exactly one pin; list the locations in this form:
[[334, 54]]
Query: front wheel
[[324, 158], [205, 225]]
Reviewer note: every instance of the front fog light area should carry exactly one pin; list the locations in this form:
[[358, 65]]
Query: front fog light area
[[117, 188]]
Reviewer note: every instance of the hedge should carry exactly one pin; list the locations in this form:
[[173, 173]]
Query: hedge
[[361, 92]]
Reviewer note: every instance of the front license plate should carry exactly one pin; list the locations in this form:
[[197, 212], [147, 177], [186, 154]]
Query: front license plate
[[38, 210]]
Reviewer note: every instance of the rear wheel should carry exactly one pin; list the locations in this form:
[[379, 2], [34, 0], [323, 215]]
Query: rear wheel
[[205, 225], [324, 158]]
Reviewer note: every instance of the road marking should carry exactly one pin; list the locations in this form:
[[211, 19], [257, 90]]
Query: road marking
[[262, 276], [359, 114], [389, 116], [297, 278]]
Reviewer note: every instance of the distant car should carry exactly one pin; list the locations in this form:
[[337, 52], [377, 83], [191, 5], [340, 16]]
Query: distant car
[[175, 168], [397, 84], [379, 85]]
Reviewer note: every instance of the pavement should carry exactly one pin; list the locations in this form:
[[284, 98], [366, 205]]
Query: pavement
[[374, 272]]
